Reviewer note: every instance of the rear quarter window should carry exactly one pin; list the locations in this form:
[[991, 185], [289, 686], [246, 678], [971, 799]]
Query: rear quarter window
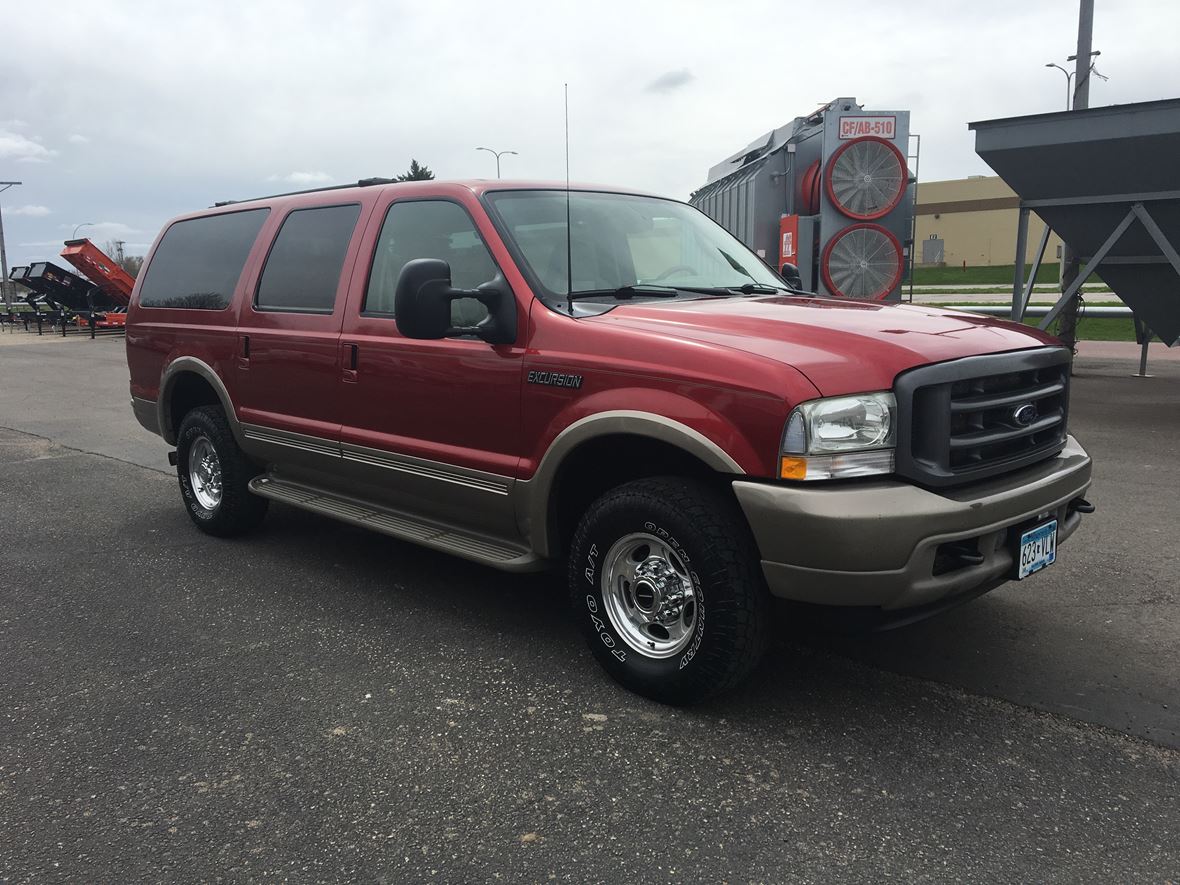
[[198, 262], [303, 269]]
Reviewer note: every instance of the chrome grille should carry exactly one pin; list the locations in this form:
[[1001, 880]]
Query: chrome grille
[[982, 416]]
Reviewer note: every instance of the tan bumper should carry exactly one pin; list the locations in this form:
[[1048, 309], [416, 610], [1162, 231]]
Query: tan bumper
[[146, 413], [875, 543]]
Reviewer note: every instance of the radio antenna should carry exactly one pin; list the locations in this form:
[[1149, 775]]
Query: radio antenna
[[569, 236]]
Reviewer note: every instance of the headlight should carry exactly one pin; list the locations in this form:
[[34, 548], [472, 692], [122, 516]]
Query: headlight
[[843, 436]]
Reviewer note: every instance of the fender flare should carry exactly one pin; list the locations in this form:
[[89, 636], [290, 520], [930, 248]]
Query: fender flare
[[191, 364], [537, 490]]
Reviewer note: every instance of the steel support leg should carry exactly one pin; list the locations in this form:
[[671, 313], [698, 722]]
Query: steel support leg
[[1018, 273], [1158, 235], [1032, 277], [1076, 285]]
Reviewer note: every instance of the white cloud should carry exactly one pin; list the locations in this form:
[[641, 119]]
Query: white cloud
[[303, 178], [78, 139], [14, 146], [637, 122], [102, 229], [29, 211], [111, 229]]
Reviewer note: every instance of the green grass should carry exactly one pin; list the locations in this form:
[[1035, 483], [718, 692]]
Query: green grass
[[1089, 328], [991, 274], [1003, 290], [1105, 329]]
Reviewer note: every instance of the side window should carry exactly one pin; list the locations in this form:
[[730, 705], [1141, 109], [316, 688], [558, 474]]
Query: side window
[[430, 229], [303, 269], [198, 262]]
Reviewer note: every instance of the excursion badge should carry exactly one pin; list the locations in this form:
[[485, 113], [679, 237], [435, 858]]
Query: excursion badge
[[554, 379]]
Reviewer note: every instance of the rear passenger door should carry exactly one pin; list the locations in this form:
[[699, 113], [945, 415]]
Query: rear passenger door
[[289, 361]]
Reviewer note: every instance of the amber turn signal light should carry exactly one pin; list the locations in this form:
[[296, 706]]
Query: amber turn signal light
[[792, 468]]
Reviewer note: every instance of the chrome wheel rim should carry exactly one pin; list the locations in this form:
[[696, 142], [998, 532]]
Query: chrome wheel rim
[[204, 473], [649, 595]]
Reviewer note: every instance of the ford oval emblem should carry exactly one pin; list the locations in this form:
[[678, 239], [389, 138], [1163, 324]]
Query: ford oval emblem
[[1025, 415]]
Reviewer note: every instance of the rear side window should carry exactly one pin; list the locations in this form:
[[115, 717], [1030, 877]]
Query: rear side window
[[198, 262], [430, 229], [303, 269]]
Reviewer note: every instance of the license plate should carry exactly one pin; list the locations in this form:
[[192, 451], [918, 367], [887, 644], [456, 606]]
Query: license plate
[[1038, 548]]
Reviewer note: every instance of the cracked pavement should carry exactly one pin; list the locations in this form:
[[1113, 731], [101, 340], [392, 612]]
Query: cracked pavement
[[318, 703]]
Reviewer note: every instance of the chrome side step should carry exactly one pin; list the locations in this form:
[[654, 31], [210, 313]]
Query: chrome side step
[[478, 548]]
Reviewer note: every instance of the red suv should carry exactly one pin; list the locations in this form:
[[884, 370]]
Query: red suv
[[524, 375]]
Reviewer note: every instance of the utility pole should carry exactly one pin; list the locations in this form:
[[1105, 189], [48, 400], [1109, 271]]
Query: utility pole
[[5, 286], [1067, 321]]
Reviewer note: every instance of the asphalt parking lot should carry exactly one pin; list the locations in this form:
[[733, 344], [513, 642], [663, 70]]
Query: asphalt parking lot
[[320, 703]]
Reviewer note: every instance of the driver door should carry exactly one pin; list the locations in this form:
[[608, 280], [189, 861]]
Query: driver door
[[431, 427]]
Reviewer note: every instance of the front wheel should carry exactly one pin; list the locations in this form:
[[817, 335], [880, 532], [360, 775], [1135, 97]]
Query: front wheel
[[666, 584]]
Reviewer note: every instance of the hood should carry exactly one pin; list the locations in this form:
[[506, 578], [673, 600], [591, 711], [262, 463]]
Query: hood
[[841, 346]]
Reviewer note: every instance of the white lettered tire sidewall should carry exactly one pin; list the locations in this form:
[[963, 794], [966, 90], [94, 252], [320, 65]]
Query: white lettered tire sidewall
[[239, 511], [710, 544], [604, 628], [189, 434]]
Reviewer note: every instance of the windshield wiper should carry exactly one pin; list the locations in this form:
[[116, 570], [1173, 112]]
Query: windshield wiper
[[745, 289], [626, 293]]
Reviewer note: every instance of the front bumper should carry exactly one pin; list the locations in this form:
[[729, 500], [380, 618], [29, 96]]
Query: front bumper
[[875, 543]]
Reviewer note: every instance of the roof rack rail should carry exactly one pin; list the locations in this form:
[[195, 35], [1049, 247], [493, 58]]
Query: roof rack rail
[[364, 182]]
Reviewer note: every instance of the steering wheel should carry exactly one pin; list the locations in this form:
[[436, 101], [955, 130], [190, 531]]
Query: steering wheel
[[677, 269]]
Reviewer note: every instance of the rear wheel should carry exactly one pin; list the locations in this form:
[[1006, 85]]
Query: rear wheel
[[666, 585], [214, 474]]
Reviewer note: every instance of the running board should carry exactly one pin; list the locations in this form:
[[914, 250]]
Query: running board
[[478, 548]]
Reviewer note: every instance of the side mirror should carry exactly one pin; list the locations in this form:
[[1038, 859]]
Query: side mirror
[[790, 274], [422, 299], [422, 304]]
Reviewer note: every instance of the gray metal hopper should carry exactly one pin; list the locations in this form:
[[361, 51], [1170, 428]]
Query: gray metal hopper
[[1107, 180]]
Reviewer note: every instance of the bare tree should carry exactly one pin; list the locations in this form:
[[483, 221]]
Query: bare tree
[[130, 263]]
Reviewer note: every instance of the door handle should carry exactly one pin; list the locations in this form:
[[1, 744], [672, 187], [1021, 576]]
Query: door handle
[[350, 356], [244, 352]]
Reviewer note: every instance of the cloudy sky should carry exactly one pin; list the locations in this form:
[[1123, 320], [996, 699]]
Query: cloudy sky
[[125, 114]]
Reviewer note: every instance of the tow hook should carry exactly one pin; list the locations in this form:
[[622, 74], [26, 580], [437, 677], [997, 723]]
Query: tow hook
[[965, 553], [1081, 505]]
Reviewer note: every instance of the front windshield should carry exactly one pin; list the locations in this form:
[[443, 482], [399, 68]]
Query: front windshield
[[621, 240]]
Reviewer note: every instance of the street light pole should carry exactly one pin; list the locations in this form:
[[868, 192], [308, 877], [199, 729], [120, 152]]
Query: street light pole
[[1068, 81], [497, 155], [4, 284], [1067, 322], [77, 227], [1083, 60]]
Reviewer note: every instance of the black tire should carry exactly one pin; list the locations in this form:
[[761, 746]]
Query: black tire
[[706, 533], [239, 511]]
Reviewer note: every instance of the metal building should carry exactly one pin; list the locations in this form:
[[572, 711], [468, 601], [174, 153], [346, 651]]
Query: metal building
[[831, 193], [1107, 181]]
